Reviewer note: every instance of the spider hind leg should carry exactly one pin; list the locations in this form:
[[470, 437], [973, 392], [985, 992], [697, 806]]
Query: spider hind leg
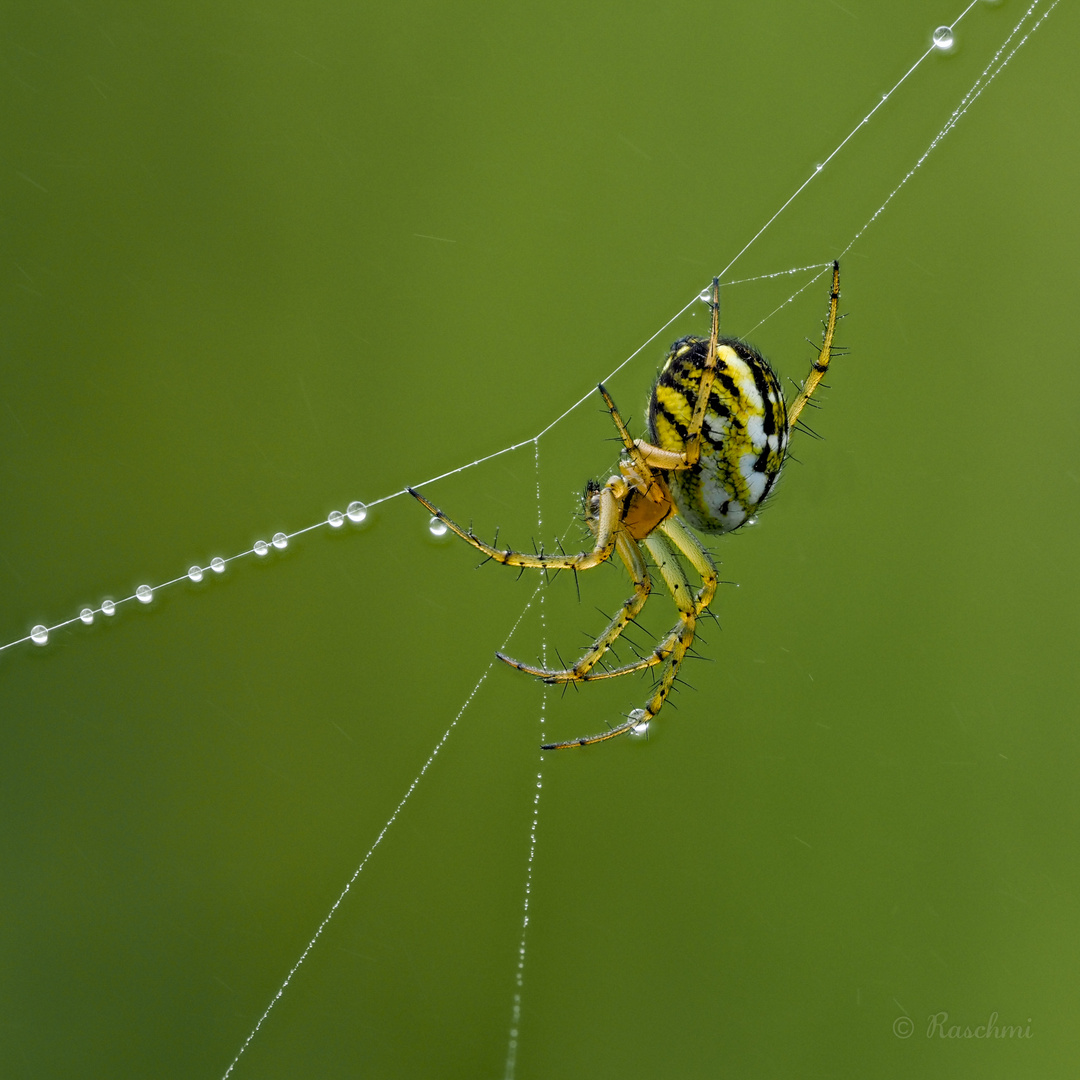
[[672, 650]]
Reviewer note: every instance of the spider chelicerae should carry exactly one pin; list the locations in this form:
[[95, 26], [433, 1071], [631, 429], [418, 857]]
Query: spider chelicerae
[[718, 433]]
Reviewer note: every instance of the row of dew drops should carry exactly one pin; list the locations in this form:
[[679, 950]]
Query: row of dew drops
[[356, 512]]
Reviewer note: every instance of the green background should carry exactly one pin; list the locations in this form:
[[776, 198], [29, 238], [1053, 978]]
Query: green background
[[260, 260]]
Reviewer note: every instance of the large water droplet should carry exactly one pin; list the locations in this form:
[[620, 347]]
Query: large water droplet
[[943, 38], [280, 540], [86, 615], [438, 527], [39, 635], [336, 519], [261, 547], [108, 607], [642, 724], [145, 594], [195, 573], [217, 565], [357, 511]]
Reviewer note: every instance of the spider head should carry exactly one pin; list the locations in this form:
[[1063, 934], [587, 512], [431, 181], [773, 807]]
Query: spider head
[[590, 503]]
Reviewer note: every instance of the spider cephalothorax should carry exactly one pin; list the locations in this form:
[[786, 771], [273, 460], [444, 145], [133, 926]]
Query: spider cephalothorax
[[718, 432]]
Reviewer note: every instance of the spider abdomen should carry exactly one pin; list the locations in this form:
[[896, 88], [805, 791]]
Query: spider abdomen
[[744, 435]]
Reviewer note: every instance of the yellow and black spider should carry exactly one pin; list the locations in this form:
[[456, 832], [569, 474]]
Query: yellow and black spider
[[718, 432]]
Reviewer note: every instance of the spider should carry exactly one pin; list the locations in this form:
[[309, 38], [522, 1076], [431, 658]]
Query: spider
[[718, 432]]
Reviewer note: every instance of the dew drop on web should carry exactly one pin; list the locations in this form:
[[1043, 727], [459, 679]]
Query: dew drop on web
[[943, 38]]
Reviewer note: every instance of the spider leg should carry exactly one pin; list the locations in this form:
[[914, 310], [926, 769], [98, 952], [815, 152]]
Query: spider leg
[[659, 458], [637, 472], [821, 364], [631, 555], [688, 543], [708, 377], [607, 528], [682, 636], [690, 546]]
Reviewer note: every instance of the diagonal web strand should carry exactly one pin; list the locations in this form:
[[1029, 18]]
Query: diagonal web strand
[[41, 632]]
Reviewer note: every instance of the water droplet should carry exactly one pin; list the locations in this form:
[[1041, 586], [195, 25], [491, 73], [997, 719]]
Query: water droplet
[[280, 540], [818, 167], [261, 547], [108, 607], [642, 724], [705, 296], [943, 38], [145, 594], [752, 519], [336, 519], [217, 565], [39, 635], [438, 527], [357, 511], [195, 573], [86, 615]]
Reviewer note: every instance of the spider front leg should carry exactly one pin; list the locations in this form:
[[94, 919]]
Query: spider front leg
[[634, 561], [607, 526]]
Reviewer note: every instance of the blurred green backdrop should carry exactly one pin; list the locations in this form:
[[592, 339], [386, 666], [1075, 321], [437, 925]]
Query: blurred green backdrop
[[260, 260]]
